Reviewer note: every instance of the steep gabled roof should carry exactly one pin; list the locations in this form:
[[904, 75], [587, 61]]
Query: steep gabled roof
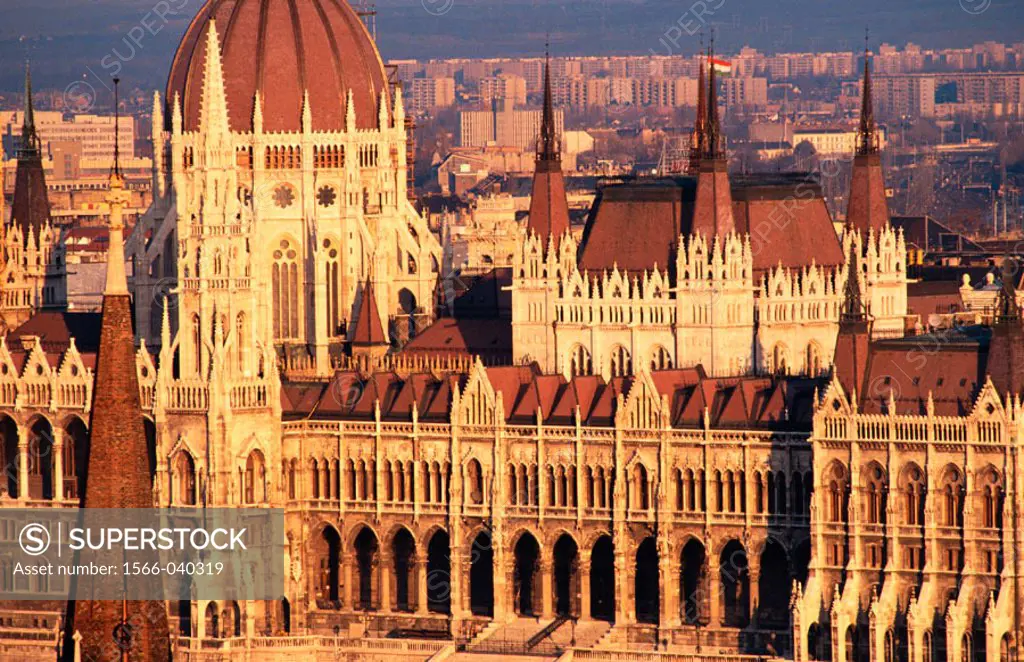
[[369, 330]]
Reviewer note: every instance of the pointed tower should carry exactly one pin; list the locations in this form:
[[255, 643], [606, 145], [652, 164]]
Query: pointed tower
[[549, 211], [30, 211], [368, 343], [1006, 351], [117, 465], [700, 122], [853, 342], [712, 209], [868, 208], [32, 272]]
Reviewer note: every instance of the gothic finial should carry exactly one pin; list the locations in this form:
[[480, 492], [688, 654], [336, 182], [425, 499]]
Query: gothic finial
[[853, 306]]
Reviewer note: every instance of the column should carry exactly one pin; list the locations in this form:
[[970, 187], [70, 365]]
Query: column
[[199, 619], [421, 586], [754, 582], [346, 578], [22, 463], [547, 607], [714, 594], [584, 579], [57, 465], [623, 604], [384, 568]]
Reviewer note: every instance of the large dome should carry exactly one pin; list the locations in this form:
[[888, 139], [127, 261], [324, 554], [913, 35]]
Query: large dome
[[282, 48]]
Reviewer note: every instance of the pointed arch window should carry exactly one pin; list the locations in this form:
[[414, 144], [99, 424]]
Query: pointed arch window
[[331, 278], [285, 276]]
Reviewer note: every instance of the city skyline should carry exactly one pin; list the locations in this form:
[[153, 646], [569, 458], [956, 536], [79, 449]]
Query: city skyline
[[135, 39]]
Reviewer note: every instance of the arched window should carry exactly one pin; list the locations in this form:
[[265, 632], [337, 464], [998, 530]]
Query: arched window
[[240, 341], [285, 291], [579, 361], [661, 359], [813, 362], [197, 345], [185, 470], [640, 494], [255, 487], [780, 359], [992, 499], [333, 302], [913, 495], [836, 480], [621, 363], [952, 497], [874, 494], [314, 479], [474, 482]]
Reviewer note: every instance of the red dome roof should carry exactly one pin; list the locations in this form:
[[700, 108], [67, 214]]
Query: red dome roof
[[282, 48]]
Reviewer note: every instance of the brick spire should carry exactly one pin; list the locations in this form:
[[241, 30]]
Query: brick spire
[[712, 208], [117, 466], [30, 208], [868, 208], [549, 211]]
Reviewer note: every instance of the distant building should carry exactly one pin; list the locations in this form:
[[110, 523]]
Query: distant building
[[744, 92], [431, 93], [95, 133], [501, 87], [504, 126], [833, 141], [906, 95]]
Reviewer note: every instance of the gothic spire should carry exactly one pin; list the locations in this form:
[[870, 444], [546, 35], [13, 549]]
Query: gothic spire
[[713, 130], [30, 207], [30, 144], [866, 132], [214, 105], [868, 207], [548, 149], [698, 137], [117, 198], [549, 209]]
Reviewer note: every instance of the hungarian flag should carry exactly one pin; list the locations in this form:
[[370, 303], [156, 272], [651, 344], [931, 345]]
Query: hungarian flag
[[721, 66]]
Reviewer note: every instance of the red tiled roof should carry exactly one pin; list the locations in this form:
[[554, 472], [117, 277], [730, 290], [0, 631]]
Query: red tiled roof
[[491, 339], [742, 402], [868, 208], [56, 329], [637, 225], [549, 210]]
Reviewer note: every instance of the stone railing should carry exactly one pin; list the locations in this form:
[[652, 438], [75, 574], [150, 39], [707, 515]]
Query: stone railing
[[251, 394], [185, 396], [307, 646]]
